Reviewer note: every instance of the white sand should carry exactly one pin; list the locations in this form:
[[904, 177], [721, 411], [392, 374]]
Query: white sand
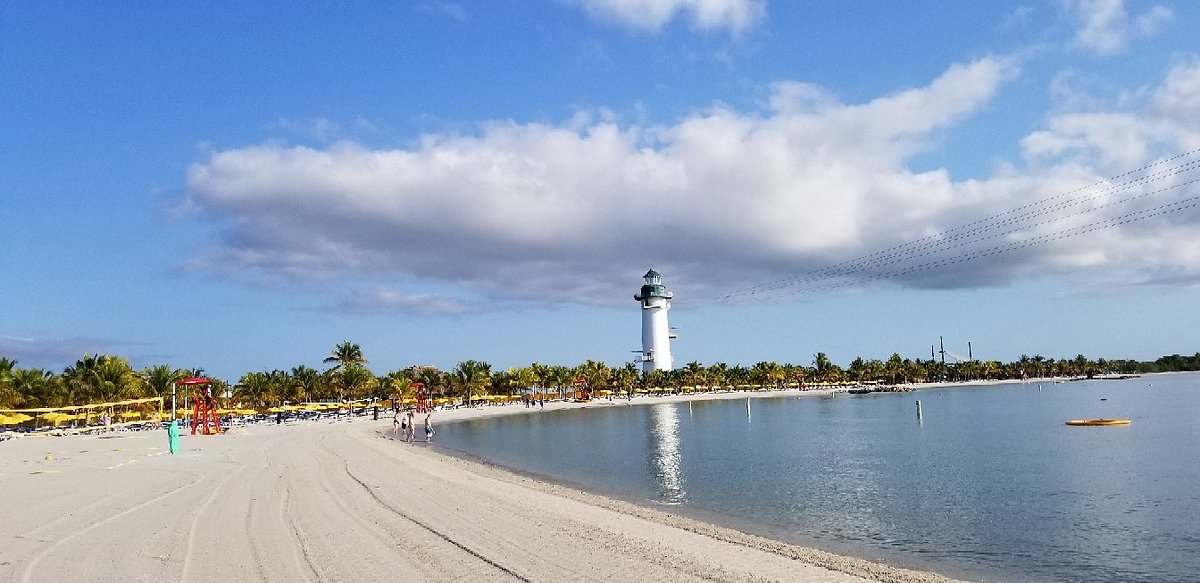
[[340, 501]]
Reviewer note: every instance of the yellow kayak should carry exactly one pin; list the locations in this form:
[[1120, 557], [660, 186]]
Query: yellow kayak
[[1097, 422]]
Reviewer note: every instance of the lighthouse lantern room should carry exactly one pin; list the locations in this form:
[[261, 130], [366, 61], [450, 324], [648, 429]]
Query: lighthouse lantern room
[[656, 333]]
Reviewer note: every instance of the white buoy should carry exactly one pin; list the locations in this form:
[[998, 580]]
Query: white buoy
[[919, 416], [656, 333]]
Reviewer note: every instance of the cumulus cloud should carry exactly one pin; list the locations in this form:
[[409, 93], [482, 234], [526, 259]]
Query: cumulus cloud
[[1106, 27], [1176, 105], [1123, 139], [534, 212], [732, 15]]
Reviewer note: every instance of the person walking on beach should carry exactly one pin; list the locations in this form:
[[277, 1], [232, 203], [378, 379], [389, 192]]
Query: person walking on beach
[[396, 424], [428, 429], [409, 430]]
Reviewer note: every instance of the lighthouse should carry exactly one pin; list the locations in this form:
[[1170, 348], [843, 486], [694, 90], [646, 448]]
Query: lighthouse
[[656, 334]]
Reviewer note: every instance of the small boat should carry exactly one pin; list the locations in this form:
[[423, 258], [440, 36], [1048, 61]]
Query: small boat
[[1097, 422]]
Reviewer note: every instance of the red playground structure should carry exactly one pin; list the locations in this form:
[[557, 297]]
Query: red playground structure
[[204, 409], [422, 398]]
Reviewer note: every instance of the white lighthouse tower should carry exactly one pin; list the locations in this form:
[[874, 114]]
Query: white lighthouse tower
[[656, 334]]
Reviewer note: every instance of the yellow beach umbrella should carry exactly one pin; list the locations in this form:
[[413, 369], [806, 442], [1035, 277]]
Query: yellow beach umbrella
[[54, 417]]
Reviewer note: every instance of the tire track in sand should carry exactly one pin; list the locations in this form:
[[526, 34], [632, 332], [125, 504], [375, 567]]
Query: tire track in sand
[[303, 558], [421, 525], [430, 529], [389, 537], [248, 525], [27, 573], [191, 538]]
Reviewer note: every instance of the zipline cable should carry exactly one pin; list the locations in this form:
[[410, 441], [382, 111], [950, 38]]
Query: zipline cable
[[1016, 220]]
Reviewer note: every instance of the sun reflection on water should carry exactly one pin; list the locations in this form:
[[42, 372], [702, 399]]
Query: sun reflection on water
[[665, 457]]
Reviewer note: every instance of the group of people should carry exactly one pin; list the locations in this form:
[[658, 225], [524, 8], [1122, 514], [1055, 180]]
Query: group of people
[[403, 421]]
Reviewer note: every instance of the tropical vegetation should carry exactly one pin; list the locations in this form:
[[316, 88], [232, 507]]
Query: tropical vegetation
[[107, 378]]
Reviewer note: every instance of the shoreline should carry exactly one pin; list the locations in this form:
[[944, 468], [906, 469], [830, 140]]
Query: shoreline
[[322, 500], [334, 499], [849, 564], [707, 519], [854, 567]]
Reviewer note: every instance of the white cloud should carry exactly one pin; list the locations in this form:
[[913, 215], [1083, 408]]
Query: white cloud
[[1149, 23], [394, 301], [1124, 139], [1106, 27], [732, 15], [577, 212], [1177, 104]]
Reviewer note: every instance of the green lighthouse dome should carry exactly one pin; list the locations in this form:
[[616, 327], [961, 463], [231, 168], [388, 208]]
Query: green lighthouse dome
[[653, 288]]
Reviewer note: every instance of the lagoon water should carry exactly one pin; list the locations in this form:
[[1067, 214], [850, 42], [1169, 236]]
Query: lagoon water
[[990, 485]]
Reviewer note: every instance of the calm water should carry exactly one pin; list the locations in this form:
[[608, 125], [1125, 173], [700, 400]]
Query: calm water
[[990, 485]]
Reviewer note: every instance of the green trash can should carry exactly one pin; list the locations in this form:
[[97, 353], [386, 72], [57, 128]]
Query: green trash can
[[173, 437]]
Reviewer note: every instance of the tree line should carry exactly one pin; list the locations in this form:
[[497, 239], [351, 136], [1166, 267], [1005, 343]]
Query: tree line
[[107, 378]]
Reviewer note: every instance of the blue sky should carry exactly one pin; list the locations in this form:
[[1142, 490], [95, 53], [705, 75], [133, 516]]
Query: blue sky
[[240, 186]]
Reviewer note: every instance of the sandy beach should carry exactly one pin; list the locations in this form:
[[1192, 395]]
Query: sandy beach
[[339, 501]]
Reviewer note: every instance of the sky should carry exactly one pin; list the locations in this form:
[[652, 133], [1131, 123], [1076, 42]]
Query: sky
[[240, 186]]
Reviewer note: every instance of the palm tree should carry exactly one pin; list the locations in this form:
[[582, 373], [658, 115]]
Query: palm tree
[[541, 372], [655, 379], [595, 376], [560, 378], [738, 375], [718, 375], [253, 389], [826, 370], [894, 367], [397, 383], [305, 381], [160, 378], [346, 354], [433, 379], [6, 366], [521, 378], [8, 395], [114, 379], [36, 387], [354, 380], [626, 378], [694, 374], [767, 374], [472, 376], [80, 378]]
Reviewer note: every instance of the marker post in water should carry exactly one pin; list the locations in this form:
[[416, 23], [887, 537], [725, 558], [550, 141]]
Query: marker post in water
[[919, 417]]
